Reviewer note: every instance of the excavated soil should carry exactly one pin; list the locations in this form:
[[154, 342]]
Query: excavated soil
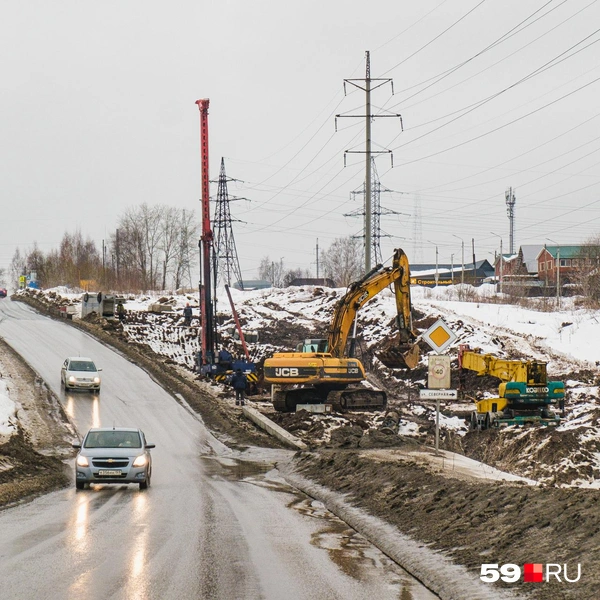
[[474, 521]]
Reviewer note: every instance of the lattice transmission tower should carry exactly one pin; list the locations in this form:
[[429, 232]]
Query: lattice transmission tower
[[226, 264], [376, 212]]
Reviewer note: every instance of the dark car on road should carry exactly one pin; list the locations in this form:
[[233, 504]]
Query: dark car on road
[[113, 455], [3, 293]]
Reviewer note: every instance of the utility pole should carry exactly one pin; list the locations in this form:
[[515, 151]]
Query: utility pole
[[462, 245], [117, 254], [501, 258], [474, 267], [376, 211], [317, 252], [557, 271], [368, 84]]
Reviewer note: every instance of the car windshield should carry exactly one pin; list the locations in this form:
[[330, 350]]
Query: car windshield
[[113, 439], [82, 365]]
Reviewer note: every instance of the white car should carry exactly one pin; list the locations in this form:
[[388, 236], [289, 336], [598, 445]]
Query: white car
[[80, 373]]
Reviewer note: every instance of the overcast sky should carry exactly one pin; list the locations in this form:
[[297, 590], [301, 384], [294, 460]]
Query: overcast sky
[[97, 105]]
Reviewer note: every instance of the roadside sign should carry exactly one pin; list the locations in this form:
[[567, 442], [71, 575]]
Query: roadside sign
[[438, 376], [438, 394], [439, 336]]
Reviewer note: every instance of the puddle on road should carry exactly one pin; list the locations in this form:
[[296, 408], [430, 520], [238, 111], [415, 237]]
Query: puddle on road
[[354, 555], [233, 469]]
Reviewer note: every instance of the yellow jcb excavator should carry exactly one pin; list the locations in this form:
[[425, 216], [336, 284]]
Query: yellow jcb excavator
[[325, 370]]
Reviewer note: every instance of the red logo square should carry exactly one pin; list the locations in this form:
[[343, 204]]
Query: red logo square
[[533, 572]]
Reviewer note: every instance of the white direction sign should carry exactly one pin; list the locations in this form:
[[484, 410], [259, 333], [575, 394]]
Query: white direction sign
[[439, 336], [438, 394]]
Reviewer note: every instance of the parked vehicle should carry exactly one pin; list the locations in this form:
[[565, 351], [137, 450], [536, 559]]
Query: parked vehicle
[[3, 293], [80, 373], [113, 455], [525, 394]]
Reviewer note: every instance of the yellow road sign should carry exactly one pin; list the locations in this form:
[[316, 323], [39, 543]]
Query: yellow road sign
[[439, 336]]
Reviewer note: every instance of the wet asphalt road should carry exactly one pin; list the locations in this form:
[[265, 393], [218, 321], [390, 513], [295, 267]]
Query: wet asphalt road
[[215, 523]]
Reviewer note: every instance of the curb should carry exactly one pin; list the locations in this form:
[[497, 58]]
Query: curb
[[273, 429]]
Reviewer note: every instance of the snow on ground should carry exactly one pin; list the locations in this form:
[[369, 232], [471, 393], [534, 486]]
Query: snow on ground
[[8, 411], [566, 337]]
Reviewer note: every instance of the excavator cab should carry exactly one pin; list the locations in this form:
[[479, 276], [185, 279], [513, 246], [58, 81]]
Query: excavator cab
[[536, 374], [313, 345]]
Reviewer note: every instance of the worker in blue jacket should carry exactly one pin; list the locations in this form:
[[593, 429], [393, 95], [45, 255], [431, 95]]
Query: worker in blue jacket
[[239, 382]]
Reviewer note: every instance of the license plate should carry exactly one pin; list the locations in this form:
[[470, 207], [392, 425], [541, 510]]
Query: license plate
[[109, 472]]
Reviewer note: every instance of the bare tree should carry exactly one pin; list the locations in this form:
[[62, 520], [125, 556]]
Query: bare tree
[[343, 260], [134, 249], [187, 243], [18, 266], [170, 226], [151, 219], [586, 271], [273, 271]]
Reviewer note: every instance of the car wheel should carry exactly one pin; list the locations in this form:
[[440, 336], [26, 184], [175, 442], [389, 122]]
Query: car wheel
[[79, 485], [144, 484]]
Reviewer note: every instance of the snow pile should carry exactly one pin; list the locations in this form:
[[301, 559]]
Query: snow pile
[[8, 411]]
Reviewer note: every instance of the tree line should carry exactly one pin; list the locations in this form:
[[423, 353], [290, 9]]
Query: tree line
[[153, 247], [156, 248]]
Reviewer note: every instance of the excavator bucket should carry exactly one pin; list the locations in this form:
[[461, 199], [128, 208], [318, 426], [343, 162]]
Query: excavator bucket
[[400, 357]]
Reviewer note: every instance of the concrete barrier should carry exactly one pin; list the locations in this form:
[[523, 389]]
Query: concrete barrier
[[272, 428]]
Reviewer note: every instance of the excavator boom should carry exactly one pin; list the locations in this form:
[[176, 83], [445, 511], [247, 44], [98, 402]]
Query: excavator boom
[[360, 292]]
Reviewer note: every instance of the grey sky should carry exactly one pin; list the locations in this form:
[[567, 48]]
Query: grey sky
[[97, 114]]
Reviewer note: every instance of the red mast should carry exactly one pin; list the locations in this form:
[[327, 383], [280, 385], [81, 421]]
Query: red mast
[[206, 242]]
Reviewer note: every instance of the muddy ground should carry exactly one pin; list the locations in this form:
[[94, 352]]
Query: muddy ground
[[31, 460], [472, 521]]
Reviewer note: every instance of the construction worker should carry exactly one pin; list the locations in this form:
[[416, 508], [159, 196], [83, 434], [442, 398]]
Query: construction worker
[[187, 315], [239, 382], [121, 312]]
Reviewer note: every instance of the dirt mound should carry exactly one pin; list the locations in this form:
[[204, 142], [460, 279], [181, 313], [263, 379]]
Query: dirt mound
[[474, 522]]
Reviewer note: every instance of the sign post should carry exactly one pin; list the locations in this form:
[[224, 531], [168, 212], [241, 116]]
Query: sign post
[[439, 336]]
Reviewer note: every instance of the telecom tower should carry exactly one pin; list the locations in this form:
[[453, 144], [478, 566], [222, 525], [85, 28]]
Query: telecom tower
[[376, 210], [225, 261], [511, 200]]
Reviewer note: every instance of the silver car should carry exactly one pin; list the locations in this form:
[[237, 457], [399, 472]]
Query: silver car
[[80, 373], [113, 455]]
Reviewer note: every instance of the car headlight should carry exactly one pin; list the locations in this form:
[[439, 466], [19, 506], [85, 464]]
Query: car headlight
[[72, 379], [140, 461], [96, 379], [82, 461]]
